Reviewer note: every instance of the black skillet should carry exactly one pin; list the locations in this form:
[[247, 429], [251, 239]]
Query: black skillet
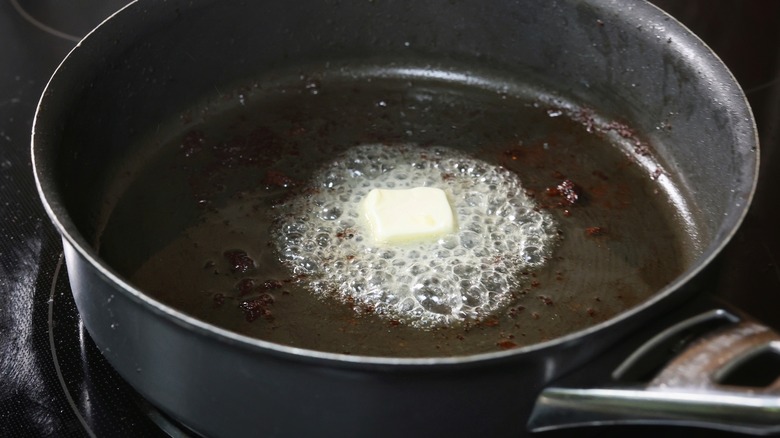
[[622, 73]]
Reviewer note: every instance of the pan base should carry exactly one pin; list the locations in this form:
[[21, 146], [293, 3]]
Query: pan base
[[203, 207]]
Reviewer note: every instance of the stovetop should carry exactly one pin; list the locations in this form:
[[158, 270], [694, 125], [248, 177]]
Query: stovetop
[[54, 381]]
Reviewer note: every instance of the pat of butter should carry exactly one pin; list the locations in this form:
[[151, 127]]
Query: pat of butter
[[400, 216]]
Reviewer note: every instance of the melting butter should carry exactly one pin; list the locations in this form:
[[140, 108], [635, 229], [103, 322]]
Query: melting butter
[[408, 215]]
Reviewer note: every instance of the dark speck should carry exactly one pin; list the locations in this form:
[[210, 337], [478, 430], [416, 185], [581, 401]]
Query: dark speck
[[239, 260], [595, 231]]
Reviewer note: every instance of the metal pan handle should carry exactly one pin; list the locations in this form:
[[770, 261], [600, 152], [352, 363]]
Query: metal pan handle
[[727, 379]]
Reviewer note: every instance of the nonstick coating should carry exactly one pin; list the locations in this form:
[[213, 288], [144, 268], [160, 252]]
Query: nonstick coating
[[179, 226], [154, 60]]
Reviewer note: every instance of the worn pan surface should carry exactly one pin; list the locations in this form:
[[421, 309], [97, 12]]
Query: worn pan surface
[[671, 181]]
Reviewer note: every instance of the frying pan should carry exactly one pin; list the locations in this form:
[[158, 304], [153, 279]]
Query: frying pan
[[153, 60]]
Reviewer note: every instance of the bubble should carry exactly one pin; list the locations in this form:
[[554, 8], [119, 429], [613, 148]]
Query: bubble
[[330, 213], [294, 237], [399, 263], [464, 271], [467, 275], [294, 227], [449, 242], [407, 305], [532, 255], [473, 297], [441, 254], [418, 269], [307, 266], [474, 199], [379, 278], [323, 240], [469, 239], [475, 226]]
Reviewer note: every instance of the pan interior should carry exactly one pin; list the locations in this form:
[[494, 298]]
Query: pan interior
[[198, 199]]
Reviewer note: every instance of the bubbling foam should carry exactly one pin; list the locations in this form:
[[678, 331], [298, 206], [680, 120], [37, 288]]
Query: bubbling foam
[[463, 276]]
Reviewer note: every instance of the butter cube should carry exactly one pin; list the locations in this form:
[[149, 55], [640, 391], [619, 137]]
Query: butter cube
[[407, 215]]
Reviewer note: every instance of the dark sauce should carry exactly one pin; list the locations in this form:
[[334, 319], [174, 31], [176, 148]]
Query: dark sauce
[[200, 208]]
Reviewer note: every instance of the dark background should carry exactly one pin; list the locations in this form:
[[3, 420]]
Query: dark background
[[746, 36]]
